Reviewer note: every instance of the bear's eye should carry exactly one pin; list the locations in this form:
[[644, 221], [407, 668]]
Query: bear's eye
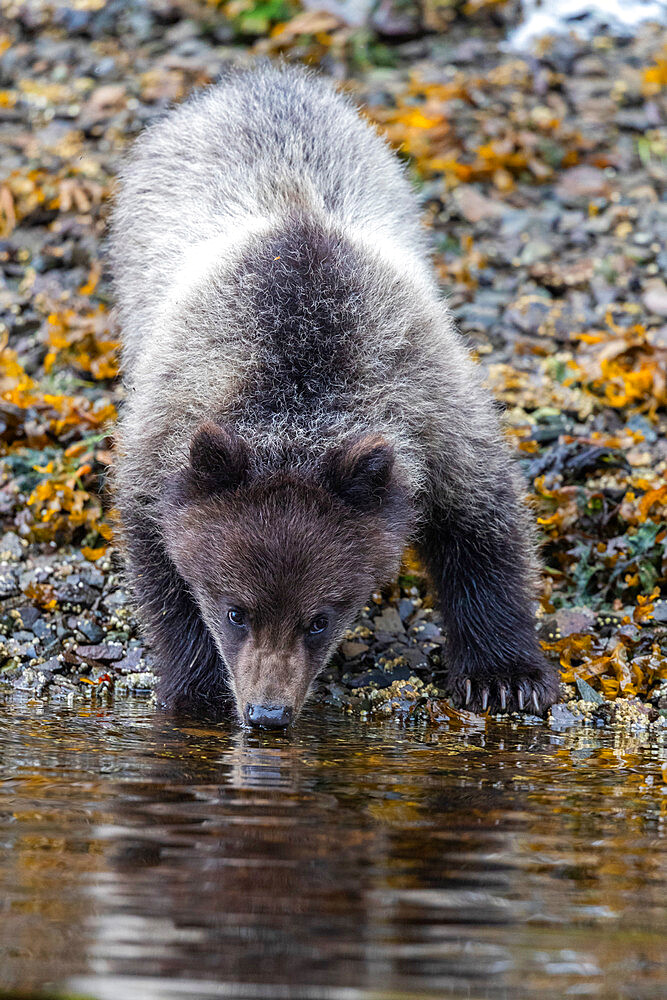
[[237, 617], [318, 625]]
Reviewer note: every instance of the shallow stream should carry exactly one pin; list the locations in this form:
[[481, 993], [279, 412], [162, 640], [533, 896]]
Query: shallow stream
[[142, 860]]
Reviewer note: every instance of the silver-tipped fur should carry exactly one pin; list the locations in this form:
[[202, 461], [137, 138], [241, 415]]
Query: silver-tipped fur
[[272, 276]]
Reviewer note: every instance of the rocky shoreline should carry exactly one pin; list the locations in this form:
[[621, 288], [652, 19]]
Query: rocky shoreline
[[544, 180]]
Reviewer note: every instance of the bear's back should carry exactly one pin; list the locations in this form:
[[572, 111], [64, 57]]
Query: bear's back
[[257, 147]]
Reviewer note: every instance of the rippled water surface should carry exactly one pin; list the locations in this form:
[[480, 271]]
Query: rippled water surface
[[140, 859]]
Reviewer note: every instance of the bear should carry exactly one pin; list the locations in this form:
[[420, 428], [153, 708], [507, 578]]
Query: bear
[[299, 408]]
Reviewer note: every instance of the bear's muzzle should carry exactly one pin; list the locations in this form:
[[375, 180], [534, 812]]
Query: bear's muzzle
[[269, 716]]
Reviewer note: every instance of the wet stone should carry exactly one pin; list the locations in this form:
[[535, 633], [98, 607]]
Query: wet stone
[[8, 583], [109, 651], [337, 693], [659, 696], [364, 621], [570, 620], [64, 681], [638, 422], [351, 650], [390, 653], [581, 184], [130, 662], [389, 621], [384, 638], [588, 693], [561, 717], [91, 576], [116, 599], [74, 591], [423, 631], [25, 649], [10, 546], [474, 316], [655, 297], [535, 250], [660, 612], [34, 575], [528, 314], [42, 630], [28, 614], [416, 657], [21, 636], [29, 680], [141, 682], [405, 608], [90, 629], [476, 207], [399, 671], [376, 677]]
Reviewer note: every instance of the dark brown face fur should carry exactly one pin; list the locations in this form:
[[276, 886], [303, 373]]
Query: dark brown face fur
[[280, 566]]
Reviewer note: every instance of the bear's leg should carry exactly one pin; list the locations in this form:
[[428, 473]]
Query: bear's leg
[[480, 562], [192, 675]]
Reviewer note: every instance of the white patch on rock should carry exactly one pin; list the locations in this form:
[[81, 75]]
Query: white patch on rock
[[583, 17]]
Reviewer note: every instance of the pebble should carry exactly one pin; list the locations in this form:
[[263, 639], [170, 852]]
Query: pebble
[[110, 651], [369, 678], [655, 297], [10, 546], [352, 650], [88, 628], [8, 583], [405, 608], [28, 614], [425, 631], [582, 183], [129, 663], [43, 630], [389, 620]]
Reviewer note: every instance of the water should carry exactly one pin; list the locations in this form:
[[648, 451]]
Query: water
[[351, 861]]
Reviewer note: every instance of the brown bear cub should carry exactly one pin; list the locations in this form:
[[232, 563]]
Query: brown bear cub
[[299, 407]]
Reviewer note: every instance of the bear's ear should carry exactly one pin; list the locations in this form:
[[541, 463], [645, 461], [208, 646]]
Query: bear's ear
[[218, 460], [359, 471]]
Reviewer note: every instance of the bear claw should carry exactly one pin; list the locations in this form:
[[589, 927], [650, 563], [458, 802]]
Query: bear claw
[[502, 696]]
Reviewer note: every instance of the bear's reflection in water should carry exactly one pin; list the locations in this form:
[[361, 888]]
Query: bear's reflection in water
[[278, 860], [144, 859], [364, 858]]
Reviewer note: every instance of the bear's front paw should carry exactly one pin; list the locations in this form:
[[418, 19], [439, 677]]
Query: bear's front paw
[[532, 689]]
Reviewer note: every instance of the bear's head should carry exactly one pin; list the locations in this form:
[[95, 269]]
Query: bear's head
[[281, 563]]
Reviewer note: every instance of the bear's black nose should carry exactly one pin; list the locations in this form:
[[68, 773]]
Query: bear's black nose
[[269, 716]]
